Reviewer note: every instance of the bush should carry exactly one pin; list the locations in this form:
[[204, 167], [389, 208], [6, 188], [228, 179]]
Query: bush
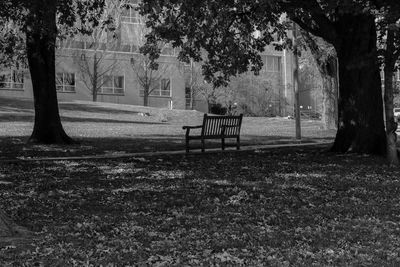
[[217, 109]]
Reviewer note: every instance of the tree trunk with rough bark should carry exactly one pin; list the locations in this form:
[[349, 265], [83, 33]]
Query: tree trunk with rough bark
[[391, 124], [40, 44], [361, 128], [330, 93]]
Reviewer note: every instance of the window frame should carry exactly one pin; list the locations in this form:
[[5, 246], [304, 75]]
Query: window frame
[[113, 87], [271, 59], [159, 90], [134, 16], [64, 85], [12, 82]]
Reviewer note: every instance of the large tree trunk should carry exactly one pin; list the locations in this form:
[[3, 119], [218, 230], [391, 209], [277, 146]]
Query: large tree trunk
[[391, 124], [361, 128], [330, 93], [40, 42]]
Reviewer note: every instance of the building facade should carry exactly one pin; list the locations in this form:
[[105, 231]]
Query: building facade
[[115, 71]]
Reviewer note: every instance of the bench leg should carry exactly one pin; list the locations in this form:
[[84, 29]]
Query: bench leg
[[238, 143], [223, 143], [187, 145], [202, 145]]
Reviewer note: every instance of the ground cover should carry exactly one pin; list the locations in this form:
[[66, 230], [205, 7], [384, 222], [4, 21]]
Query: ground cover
[[104, 128], [278, 207]]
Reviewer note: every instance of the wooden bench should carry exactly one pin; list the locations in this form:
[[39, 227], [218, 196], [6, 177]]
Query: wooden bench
[[216, 127]]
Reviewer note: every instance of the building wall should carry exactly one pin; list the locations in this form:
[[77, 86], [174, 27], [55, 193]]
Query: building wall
[[69, 58]]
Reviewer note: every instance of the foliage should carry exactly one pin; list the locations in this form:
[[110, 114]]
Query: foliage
[[255, 95], [287, 207], [212, 32]]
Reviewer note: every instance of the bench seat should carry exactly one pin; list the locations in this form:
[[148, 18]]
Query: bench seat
[[216, 127]]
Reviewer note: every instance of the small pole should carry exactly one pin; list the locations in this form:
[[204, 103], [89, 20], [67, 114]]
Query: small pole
[[296, 83]]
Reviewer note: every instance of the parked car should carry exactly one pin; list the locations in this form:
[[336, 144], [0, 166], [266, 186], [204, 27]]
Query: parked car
[[396, 112]]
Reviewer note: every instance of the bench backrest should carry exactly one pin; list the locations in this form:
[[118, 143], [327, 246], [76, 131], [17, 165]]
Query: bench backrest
[[212, 125]]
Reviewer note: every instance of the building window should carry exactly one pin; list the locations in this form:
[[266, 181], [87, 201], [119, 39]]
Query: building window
[[161, 88], [130, 13], [12, 80], [65, 82], [271, 63], [112, 85]]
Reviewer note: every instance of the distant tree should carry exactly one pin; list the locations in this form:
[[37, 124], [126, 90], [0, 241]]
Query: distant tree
[[151, 76], [325, 57], [255, 95], [96, 63]]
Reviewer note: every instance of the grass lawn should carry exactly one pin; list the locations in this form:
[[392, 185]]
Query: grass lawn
[[281, 207], [104, 128]]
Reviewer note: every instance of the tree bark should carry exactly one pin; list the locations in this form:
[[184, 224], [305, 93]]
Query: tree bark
[[391, 124], [40, 44], [330, 93], [361, 127], [95, 78], [146, 98]]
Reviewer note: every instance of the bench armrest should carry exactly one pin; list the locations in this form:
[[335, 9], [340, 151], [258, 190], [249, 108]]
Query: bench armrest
[[192, 127]]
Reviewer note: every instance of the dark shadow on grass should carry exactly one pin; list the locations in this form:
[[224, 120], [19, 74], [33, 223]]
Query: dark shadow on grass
[[16, 147], [94, 109], [16, 103]]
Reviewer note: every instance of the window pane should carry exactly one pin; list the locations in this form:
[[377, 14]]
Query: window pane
[[125, 48], [118, 91], [18, 77], [155, 92], [126, 11], [18, 86], [165, 93], [107, 90], [165, 85], [270, 63], [119, 82], [59, 79], [277, 66], [264, 61], [69, 79], [107, 81]]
